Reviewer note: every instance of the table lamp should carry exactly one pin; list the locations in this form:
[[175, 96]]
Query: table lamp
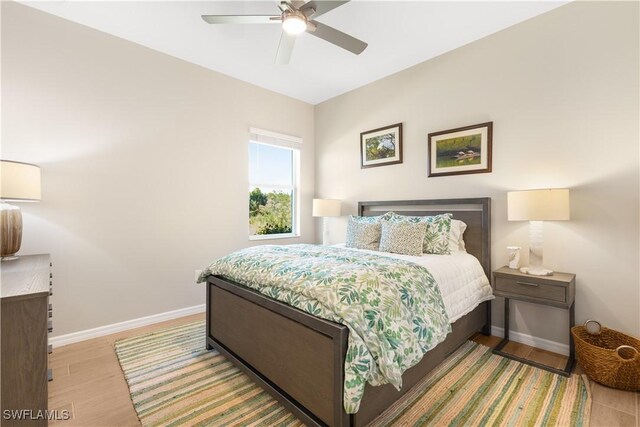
[[537, 206], [19, 182], [325, 208]]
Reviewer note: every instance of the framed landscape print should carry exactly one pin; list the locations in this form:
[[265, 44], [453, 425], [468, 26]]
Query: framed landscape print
[[460, 151], [381, 147]]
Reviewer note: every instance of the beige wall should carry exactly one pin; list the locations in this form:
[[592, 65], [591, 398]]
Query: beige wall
[[144, 165], [562, 91]]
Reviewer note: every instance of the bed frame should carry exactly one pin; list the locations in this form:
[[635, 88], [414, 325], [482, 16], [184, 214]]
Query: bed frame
[[299, 358]]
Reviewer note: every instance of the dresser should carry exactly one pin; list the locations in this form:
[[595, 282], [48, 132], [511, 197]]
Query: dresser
[[25, 316]]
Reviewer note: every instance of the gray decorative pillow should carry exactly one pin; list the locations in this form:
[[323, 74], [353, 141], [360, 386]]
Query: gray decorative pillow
[[363, 234], [436, 239], [403, 237]]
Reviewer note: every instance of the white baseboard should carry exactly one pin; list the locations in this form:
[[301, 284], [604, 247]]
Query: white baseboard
[[123, 326], [541, 343]]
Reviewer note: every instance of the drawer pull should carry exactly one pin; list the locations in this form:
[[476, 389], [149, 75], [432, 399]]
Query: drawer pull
[[535, 285]]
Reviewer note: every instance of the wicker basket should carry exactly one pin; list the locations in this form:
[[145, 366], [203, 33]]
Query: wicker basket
[[608, 357]]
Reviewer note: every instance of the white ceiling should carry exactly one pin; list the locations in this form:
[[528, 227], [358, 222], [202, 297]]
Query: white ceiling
[[400, 34]]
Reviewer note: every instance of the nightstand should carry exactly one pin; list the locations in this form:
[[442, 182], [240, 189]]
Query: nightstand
[[558, 290]]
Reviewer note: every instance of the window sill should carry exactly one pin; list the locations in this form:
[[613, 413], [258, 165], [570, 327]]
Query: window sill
[[274, 236]]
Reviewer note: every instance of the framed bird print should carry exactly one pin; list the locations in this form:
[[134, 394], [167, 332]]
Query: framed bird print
[[460, 151], [381, 147]]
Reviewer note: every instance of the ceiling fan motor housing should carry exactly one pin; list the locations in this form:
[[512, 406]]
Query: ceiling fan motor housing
[[294, 21]]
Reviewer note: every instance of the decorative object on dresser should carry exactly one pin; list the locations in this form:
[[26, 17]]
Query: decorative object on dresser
[[558, 290], [24, 318], [537, 206], [324, 208], [381, 147], [19, 182], [608, 356], [460, 151]]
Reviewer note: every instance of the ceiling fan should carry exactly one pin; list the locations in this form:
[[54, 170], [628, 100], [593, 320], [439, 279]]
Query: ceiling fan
[[296, 18]]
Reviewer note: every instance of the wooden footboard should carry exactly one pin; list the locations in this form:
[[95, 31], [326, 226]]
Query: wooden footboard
[[299, 358], [295, 356]]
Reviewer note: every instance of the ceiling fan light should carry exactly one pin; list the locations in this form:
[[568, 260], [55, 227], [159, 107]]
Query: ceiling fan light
[[294, 23]]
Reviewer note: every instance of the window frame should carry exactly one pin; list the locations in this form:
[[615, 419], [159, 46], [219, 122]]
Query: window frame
[[274, 139]]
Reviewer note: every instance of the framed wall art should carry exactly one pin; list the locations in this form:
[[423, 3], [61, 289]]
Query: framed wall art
[[381, 147], [460, 151]]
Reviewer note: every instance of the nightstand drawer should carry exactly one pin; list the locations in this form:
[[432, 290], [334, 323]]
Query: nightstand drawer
[[531, 289]]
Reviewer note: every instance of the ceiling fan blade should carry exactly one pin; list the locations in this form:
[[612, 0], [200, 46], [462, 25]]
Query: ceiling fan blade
[[338, 38], [242, 19], [287, 41], [321, 6]]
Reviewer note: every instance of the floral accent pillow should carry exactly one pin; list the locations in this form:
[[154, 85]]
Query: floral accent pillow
[[363, 234], [436, 239], [403, 237]]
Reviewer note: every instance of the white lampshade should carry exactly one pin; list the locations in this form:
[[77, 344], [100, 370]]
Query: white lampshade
[[326, 207], [19, 182], [538, 205]]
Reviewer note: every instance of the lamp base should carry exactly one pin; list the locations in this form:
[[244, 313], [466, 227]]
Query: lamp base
[[536, 271], [325, 233], [535, 251], [10, 229]]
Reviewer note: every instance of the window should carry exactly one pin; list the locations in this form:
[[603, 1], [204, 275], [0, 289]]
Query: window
[[273, 184]]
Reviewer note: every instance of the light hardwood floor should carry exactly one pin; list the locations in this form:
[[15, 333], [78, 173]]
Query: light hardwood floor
[[89, 383]]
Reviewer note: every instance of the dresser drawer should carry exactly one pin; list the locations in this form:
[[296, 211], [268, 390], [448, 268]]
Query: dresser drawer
[[531, 289]]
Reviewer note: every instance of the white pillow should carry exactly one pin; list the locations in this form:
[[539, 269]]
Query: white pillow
[[456, 240]]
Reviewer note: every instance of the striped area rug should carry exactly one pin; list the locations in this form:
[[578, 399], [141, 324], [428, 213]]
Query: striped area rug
[[475, 387], [174, 381]]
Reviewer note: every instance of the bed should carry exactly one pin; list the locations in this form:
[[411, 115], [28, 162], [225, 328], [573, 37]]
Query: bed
[[299, 358]]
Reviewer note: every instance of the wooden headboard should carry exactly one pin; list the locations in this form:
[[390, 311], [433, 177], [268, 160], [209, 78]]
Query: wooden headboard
[[475, 212]]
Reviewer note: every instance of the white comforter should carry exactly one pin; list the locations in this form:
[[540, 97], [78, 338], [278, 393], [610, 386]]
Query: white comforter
[[460, 276]]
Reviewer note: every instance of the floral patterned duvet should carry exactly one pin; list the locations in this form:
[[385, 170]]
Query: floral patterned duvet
[[393, 308]]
